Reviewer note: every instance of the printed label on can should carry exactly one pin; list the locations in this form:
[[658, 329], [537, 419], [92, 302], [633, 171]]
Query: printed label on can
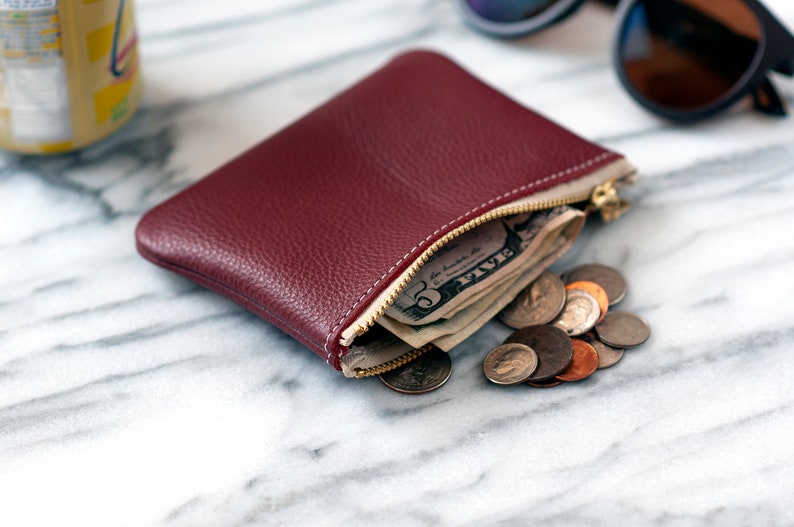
[[69, 72], [34, 103], [27, 5]]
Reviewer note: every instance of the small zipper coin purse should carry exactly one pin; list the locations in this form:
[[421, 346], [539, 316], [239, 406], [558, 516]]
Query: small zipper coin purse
[[327, 227]]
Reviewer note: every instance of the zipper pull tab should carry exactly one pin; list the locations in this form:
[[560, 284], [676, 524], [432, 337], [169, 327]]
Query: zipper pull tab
[[605, 199]]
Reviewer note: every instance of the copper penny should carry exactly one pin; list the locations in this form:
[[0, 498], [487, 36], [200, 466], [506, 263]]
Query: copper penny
[[585, 362], [424, 374], [608, 278], [580, 313], [510, 364], [623, 330], [552, 346], [607, 355], [551, 383], [596, 290], [540, 303]]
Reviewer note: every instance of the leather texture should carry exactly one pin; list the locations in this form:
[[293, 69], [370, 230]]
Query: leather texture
[[306, 228]]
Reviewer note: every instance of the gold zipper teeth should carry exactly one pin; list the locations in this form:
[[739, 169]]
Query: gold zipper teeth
[[430, 251], [393, 364]]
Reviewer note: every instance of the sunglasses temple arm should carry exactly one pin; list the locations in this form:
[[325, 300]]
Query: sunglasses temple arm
[[783, 39], [767, 99], [786, 66]]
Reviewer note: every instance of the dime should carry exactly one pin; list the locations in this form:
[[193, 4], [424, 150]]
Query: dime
[[597, 291], [551, 383], [623, 330], [540, 303], [580, 314], [510, 364], [585, 362], [608, 278], [422, 375], [607, 355], [552, 346]]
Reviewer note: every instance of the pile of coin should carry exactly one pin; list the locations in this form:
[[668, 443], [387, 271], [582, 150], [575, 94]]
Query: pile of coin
[[564, 329], [564, 333]]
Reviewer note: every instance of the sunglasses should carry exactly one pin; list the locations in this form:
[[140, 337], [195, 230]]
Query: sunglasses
[[682, 59]]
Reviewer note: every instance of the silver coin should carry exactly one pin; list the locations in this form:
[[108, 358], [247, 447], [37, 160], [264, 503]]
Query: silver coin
[[540, 303], [580, 313], [510, 364], [623, 330], [607, 355], [608, 278], [424, 374]]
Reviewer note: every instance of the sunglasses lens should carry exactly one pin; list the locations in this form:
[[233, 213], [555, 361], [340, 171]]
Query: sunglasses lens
[[509, 10], [686, 54]]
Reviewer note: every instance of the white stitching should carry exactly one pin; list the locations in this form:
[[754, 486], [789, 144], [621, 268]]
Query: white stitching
[[330, 353]]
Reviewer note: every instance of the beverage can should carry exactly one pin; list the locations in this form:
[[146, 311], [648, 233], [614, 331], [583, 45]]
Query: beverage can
[[69, 72]]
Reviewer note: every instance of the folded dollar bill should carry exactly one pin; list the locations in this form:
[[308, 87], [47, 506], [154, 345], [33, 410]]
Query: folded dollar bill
[[477, 275]]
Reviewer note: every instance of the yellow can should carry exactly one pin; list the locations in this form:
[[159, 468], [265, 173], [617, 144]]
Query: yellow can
[[69, 72]]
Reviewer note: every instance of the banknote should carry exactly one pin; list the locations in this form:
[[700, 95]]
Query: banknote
[[465, 269], [549, 244]]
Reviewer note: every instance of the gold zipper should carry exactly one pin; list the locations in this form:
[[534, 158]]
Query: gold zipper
[[605, 199], [602, 198], [393, 364]]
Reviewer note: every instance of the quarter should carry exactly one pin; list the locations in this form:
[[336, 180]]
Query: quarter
[[424, 374], [539, 303]]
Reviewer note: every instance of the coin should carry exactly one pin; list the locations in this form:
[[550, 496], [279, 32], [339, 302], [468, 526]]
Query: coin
[[510, 364], [585, 362], [623, 330], [552, 346], [607, 355], [551, 383], [598, 293], [540, 303], [608, 278], [424, 374], [580, 314]]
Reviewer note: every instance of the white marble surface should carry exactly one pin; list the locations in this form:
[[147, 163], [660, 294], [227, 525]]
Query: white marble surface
[[129, 396]]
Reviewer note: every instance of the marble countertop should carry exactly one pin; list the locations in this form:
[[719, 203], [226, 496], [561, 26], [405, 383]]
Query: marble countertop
[[129, 396]]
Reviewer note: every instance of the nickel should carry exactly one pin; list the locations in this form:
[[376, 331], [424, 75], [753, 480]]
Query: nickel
[[510, 364], [623, 330], [607, 355], [608, 278]]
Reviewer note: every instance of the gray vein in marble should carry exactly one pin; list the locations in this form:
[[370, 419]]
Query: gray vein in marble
[[60, 416], [232, 25], [128, 395], [177, 107], [141, 334], [710, 301]]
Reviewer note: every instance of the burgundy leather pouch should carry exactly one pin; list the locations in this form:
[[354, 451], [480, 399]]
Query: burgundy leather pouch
[[315, 228]]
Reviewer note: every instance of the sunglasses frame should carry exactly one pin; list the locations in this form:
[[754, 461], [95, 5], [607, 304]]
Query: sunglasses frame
[[553, 14], [775, 52]]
